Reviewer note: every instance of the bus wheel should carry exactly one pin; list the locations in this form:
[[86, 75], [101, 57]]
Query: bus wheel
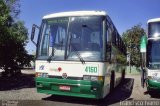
[[101, 100], [112, 81], [123, 74]]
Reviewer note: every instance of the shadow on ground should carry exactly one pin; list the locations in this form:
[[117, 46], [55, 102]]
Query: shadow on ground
[[120, 93], [19, 82], [154, 94]]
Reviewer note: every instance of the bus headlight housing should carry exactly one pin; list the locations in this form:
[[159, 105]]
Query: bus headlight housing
[[44, 75], [93, 78], [154, 78]]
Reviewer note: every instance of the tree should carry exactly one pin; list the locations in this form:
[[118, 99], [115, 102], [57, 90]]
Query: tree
[[132, 39], [13, 7], [14, 37], [4, 13]]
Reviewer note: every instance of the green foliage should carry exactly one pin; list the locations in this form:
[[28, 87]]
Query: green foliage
[[132, 39], [14, 36], [4, 13], [121, 58], [13, 7]]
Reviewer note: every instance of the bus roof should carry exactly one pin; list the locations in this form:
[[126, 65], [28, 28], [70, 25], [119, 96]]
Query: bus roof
[[154, 20], [76, 13]]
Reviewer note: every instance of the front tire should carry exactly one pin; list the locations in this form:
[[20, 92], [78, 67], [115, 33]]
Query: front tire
[[123, 74], [112, 81]]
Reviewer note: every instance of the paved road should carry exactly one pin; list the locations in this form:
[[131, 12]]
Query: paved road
[[23, 88]]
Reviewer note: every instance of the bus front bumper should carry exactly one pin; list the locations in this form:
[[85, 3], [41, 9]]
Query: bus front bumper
[[153, 85], [67, 87]]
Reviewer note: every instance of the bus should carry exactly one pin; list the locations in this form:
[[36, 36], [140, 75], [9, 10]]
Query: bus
[[79, 53], [150, 46]]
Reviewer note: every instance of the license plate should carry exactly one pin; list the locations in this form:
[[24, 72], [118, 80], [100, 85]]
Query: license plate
[[66, 88]]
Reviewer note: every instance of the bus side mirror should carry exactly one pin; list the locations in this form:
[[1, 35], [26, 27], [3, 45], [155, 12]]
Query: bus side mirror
[[33, 33], [143, 50], [143, 44]]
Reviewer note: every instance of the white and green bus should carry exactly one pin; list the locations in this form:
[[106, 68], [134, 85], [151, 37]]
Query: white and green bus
[[151, 55], [79, 54]]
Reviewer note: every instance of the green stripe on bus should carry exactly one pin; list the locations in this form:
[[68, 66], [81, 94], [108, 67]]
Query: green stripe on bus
[[78, 88], [153, 84]]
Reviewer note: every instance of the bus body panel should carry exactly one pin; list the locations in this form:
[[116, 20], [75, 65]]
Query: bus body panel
[[153, 73], [117, 66], [75, 69], [78, 88], [153, 80], [75, 72], [153, 85], [107, 78]]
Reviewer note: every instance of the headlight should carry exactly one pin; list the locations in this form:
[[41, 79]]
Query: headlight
[[93, 78], [86, 77], [41, 74], [154, 78]]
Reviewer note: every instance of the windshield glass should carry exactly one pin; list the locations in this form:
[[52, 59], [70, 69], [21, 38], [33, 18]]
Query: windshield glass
[[154, 29], [85, 37], [53, 38], [72, 38], [153, 54]]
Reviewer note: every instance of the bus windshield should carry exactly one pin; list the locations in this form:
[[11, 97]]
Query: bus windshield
[[153, 54], [72, 38], [154, 29]]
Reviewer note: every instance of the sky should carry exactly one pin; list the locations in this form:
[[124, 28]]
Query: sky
[[124, 13]]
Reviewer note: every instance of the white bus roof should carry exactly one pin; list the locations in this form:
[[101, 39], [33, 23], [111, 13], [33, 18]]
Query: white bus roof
[[75, 13], [154, 20]]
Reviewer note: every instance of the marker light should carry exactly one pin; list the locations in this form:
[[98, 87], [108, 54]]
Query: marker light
[[59, 69]]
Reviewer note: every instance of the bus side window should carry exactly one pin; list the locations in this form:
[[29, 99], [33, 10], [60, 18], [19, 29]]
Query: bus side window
[[114, 38], [108, 45], [44, 45], [45, 40]]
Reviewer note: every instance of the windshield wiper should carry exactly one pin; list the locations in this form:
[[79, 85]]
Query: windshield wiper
[[52, 54], [78, 55], [54, 50]]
